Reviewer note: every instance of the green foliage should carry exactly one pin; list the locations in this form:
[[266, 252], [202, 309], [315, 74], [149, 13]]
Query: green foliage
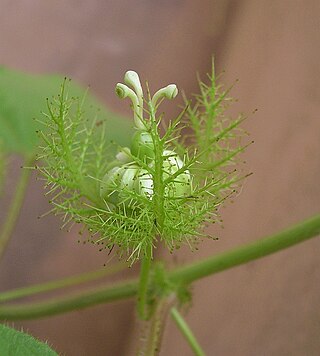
[[17, 343], [21, 100], [169, 195]]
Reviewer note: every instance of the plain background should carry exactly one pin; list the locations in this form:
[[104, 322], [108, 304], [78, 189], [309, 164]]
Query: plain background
[[268, 307]]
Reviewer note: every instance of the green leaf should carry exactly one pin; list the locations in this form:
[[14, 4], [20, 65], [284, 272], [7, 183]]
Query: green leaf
[[17, 343], [23, 98]]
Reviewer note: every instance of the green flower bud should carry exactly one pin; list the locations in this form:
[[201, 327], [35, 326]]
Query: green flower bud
[[142, 145], [128, 178], [124, 155], [181, 186], [120, 180], [144, 183], [110, 183]]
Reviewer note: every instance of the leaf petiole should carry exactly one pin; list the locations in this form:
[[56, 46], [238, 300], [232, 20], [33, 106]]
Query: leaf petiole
[[186, 331], [16, 204]]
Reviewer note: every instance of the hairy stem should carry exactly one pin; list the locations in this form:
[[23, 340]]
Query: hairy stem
[[187, 274], [15, 207], [157, 322], [187, 333], [257, 249], [143, 285], [61, 283]]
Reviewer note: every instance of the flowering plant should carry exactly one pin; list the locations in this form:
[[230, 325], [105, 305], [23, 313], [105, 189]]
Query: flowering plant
[[164, 187]]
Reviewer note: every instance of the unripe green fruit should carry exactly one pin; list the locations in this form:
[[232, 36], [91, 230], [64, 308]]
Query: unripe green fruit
[[142, 145]]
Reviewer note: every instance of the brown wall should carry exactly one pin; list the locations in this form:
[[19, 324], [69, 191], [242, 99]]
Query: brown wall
[[269, 307]]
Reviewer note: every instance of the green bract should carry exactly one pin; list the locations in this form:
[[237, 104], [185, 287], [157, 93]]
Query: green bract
[[163, 188]]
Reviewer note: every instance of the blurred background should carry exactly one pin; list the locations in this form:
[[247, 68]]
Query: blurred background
[[268, 307]]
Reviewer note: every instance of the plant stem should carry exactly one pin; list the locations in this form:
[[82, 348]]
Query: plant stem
[[59, 284], [64, 304], [187, 333], [158, 193], [16, 205], [157, 322], [143, 285], [298, 233], [257, 249]]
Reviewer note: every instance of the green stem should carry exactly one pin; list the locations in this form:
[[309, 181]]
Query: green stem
[[65, 304], [59, 284], [143, 285], [15, 206], [187, 333], [257, 249], [158, 188], [187, 274], [156, 324]]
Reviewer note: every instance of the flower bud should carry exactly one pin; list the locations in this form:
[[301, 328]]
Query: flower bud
[[109, 184], [142, 145], [128, 178], [181, 186], [144, 183], [124, 155]]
